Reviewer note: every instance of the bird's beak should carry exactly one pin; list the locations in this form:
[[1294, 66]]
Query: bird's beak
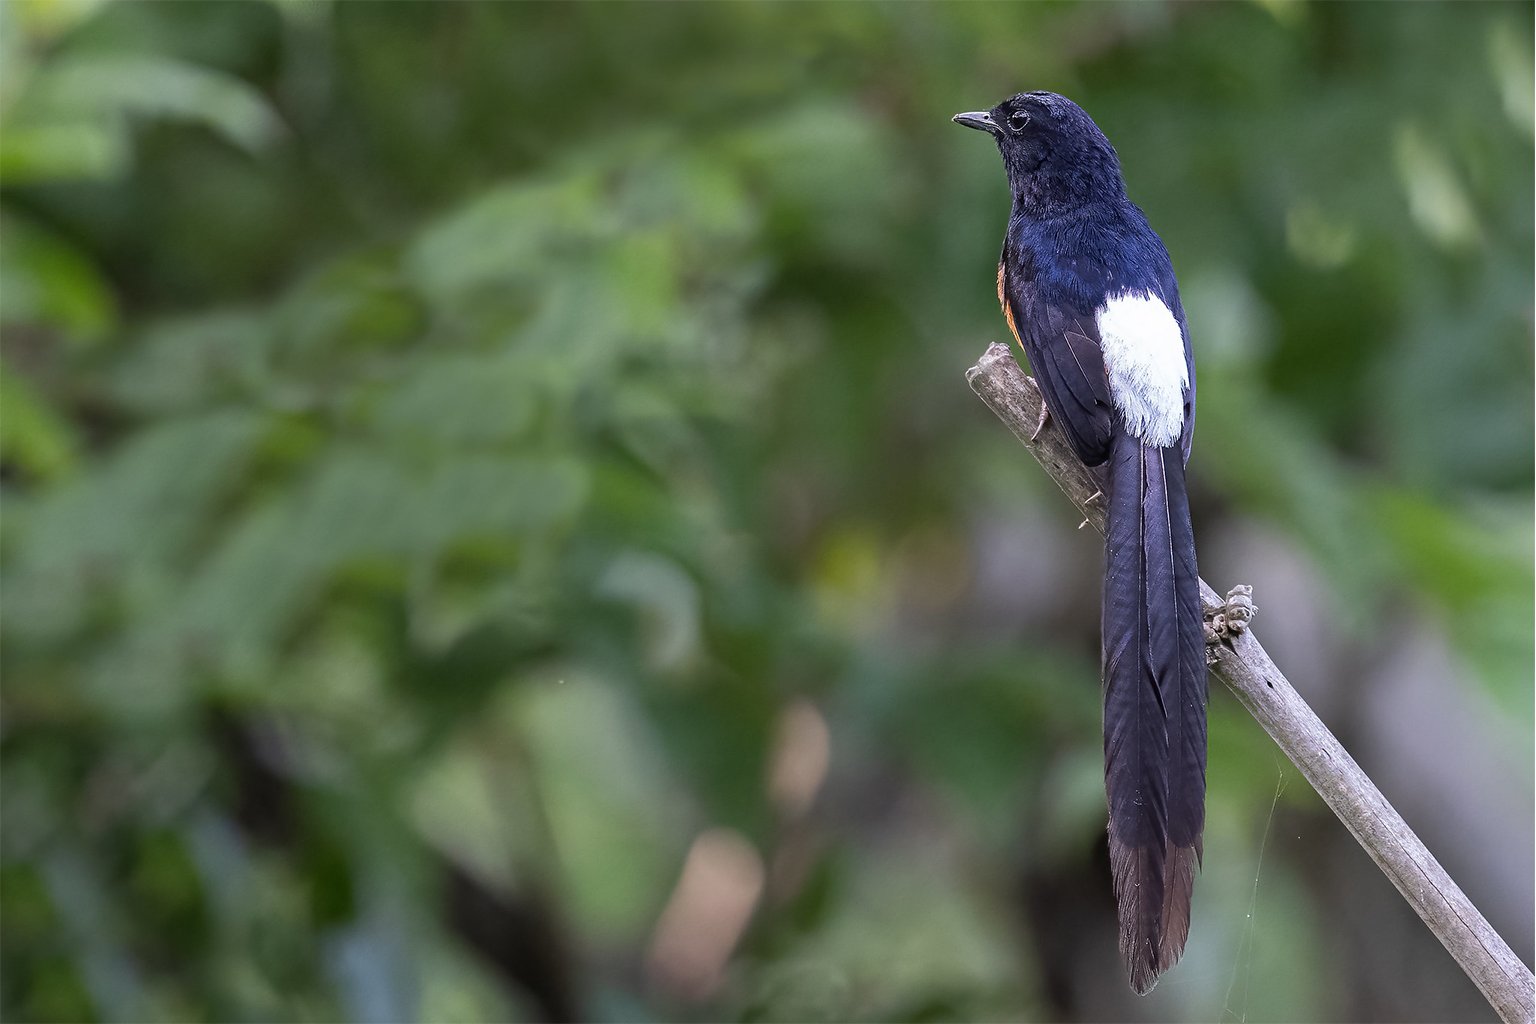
[[981, 120]]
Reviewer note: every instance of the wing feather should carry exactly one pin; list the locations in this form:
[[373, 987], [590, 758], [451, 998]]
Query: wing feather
[[1064, 352]]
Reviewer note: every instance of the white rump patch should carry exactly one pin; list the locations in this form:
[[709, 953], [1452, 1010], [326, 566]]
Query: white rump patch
[[1144, 359]]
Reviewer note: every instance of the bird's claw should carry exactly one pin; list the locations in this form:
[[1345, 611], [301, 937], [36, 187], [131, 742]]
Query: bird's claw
[[1045, 417], [1096, 498]]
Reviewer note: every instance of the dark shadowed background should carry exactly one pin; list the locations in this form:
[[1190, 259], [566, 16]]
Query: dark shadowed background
[[494, 526]]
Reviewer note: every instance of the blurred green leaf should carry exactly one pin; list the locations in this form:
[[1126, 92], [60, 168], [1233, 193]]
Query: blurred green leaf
[[33, 436], [612, 811], [84, 147], [1478, 568], [100, 85], [48, 282]]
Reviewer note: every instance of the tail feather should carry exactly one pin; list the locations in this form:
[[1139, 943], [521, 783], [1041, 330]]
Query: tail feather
[[1154, 705]]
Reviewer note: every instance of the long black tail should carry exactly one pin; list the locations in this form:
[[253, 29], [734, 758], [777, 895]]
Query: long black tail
[[1154, 704]]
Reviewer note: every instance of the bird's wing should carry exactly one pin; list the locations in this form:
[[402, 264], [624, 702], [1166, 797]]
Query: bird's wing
[[1063, 347]]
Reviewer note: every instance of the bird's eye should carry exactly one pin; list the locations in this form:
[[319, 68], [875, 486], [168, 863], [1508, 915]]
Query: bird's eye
[[1017, 121]]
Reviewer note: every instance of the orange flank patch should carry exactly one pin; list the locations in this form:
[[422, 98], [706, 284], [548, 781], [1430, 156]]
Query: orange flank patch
[[1002, 300]]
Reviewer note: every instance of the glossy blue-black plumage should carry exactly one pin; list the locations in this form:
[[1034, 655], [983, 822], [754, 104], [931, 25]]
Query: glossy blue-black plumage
[[1073, 262]]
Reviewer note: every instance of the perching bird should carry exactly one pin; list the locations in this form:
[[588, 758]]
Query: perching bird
[[1089, 293]]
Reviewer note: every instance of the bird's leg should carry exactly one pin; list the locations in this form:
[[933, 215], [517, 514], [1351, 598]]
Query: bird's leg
[[1045, 417]]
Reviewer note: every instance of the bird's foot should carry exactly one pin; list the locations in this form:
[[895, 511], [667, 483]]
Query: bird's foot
[[1231, 618]]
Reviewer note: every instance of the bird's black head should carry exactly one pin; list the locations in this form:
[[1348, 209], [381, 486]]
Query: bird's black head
[[1055, 155]]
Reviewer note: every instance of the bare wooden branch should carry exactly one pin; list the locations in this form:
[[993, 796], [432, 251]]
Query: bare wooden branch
[[1241, 663]]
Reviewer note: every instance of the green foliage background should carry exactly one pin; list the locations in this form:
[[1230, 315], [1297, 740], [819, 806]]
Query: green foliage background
[[447, 448]]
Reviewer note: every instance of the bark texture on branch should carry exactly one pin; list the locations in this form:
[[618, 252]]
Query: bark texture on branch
[[1239, 661]]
